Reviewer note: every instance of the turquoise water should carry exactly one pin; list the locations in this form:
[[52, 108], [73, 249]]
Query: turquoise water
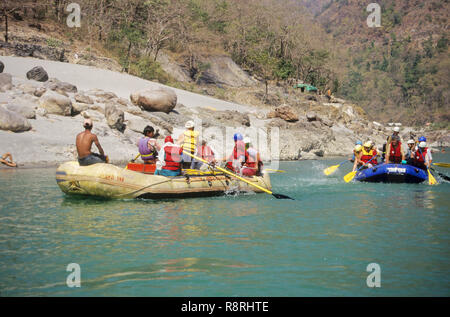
[[247, 245]]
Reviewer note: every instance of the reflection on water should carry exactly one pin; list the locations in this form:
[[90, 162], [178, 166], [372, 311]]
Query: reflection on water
[[245, 245]]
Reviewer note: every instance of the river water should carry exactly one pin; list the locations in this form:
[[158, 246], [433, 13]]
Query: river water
[[246, 245]]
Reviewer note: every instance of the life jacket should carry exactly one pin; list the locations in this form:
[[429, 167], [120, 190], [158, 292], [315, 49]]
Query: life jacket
[[239, 154], [367, 156], [190, 141], [395, 154], [172, 157], [420, 156], [146, 153], [206, 153], [251, 158]]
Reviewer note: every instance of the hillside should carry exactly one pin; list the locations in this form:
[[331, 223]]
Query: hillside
[[251, 52]]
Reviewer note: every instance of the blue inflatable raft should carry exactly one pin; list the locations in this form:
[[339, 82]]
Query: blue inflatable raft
[[392, 173]]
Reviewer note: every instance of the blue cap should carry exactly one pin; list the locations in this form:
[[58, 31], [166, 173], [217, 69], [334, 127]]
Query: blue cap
[[238, 137], [358, 143], [422, 139]]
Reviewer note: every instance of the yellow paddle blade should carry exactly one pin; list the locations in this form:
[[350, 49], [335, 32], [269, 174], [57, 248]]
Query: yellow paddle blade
[[442, 164], [330, 170], [431, 179], [272, 170], [349, 176]]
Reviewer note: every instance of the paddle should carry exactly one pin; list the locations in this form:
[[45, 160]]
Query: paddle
[[330, 170], [277, 196], [442, 164], [272, 170], [351, 175], [133, 160], [431, 179], [443, 176]]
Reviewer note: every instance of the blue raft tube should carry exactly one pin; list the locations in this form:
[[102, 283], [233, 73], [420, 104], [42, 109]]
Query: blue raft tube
[[392, 173]]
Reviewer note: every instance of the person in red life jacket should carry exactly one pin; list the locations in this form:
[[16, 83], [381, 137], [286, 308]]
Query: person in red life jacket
[[253, 163], [394, 153], [367, 156], [422, 156], [148, 146], [206, 153], [238, 157], [169, 159]]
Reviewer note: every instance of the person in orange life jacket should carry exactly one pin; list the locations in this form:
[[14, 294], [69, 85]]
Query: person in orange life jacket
[[368, 153], [238, 157], [394, 153], [169, 159], [422, 156], [253, 163], [206, 153], [188, 140], [148, 146]]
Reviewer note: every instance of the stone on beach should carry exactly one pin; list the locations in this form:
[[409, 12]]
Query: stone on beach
[[37, 73], [155, 100], [13, 121]]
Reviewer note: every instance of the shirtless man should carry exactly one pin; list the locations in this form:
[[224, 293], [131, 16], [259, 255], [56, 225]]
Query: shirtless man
[[84, 143], [7, 160]]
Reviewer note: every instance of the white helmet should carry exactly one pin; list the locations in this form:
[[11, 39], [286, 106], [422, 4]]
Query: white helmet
[[396, 129], [422, 144], [189, 124], [411, 141]]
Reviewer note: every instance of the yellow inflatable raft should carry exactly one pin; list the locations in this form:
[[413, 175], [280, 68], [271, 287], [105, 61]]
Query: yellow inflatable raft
[[107, 180]]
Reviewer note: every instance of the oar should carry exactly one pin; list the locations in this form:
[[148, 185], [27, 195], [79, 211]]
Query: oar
[[277, 196], [443, 176], [442, 164], [330, 170], [272, 170], [133, 160], [351, 175], [431, 179]]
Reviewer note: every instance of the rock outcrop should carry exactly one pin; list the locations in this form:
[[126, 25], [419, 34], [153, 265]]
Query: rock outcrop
[[37, 73], [155, 100], [55, 103], [114, 117], [23, 107], [60, 86], [13, 121], [284, 112]]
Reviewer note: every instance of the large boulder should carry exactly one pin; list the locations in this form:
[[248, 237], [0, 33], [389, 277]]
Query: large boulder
[[5, 80], [284, 112], [83, 99], [2, 67], [155, 100], [13, 121], [55, 103], [23, 107], [37, 73], [114, 117], [60, 86]]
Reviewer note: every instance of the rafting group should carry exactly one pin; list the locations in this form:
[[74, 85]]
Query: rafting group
[[173, 158], [396, 164]]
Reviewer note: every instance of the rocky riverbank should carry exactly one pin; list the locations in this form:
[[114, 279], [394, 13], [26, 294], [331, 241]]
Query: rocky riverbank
[[43, 104]]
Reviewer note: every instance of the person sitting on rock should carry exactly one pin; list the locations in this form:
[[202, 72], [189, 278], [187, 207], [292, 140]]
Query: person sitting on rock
[[148, 146], [84, 142], [394, 152], [368, 155], [422, 156], [253, 163], [206, 153], [169, 159], [7, 160], [188, 140]]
